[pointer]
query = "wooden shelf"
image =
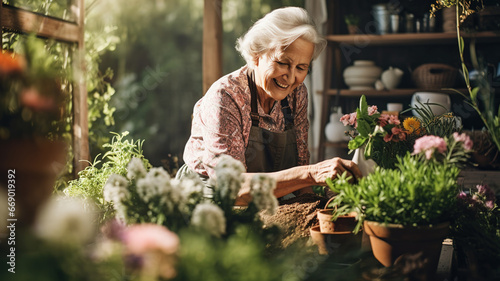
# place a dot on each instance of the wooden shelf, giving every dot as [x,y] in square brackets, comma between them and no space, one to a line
[341,144]
[386,93]
[410,38]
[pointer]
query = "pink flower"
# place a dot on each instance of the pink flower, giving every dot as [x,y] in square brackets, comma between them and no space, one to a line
[152,249]
[429,144]
[372,110]
[32,99]
[394,120]
[143,238]
[465,139]
[396,135]
[383,120]
[488,194]
[345,119]
[350,119]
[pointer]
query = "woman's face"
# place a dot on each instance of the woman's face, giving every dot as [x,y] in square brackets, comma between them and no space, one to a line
[279,72]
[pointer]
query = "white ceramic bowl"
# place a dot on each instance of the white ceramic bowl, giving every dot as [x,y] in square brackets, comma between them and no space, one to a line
[430,97]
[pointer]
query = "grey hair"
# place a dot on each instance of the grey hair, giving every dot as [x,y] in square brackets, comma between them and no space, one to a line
[279,29]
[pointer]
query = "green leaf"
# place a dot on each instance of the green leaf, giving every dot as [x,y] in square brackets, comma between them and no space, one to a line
[473,93]
[357,142]
[363,127]
[461,44]
[363,107]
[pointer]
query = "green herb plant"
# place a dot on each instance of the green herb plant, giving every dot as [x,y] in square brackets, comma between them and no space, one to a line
[91,180]
[421,190]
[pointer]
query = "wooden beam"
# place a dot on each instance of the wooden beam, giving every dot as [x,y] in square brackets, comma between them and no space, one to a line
[80,107]
[29,22]
[212,42]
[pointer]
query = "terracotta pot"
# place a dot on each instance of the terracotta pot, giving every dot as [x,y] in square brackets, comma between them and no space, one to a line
[393,241]
[342,223]
[34,165]
[339,242]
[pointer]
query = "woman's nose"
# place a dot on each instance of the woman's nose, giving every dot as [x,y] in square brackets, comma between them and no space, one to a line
[290,76]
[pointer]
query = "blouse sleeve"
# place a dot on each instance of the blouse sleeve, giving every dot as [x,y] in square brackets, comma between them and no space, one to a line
[221,127]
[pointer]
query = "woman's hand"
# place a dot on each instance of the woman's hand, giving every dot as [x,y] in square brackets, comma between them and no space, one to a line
[332,168]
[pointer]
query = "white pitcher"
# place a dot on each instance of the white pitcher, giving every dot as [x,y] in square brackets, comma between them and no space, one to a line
[391,77]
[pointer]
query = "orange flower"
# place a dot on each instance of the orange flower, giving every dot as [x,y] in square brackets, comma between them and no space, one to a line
[412,125]
[10,63]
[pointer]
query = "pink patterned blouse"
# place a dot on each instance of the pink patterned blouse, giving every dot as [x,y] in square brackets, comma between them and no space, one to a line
[221,123]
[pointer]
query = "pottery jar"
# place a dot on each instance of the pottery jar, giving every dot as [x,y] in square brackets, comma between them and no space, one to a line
[335,130]
[391,78]
[362,75]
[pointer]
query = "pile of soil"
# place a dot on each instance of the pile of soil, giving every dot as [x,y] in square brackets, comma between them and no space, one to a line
[296,216]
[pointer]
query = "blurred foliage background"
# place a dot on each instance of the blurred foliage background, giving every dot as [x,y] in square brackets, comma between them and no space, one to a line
[144,64]
[157,64]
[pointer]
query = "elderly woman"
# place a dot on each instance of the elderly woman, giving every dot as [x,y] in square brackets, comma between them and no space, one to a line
[258,113]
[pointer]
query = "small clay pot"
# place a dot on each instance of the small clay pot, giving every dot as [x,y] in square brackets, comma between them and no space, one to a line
[342,223]
[339,242]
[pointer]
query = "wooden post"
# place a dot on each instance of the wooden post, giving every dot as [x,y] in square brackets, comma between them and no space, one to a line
[80,107]
[212,42]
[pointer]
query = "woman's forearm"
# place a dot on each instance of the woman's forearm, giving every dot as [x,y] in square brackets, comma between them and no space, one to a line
[296,178]
[287,181]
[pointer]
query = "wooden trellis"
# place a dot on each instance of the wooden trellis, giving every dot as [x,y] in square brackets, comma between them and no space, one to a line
[24,21]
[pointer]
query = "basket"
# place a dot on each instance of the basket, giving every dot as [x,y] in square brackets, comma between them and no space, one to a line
[434,76]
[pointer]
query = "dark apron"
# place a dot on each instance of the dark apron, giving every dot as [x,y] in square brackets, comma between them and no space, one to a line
[270,151]
[266,151]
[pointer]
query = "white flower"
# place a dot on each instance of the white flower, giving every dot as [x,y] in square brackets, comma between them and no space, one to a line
[210,218]
[136,169]
[229,176]
[156,183]
[191,188]
[66,220]
[262,191]
[115,190]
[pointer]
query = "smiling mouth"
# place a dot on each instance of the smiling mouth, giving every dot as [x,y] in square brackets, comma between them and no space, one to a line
[283,86]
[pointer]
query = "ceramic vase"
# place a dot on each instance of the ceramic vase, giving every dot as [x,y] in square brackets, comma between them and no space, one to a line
[335,130]
[391,78]
[362,75]
[366,166]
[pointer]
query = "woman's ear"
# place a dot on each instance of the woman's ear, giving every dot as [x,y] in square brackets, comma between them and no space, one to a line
[256,60]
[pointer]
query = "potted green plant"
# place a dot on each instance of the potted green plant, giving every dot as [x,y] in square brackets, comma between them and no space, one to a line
[417,197]
[335,236]
[352,22]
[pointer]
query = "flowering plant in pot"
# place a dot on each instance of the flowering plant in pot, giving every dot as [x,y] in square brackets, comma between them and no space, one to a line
[31,94]
[476,232]
[32,124]
[383,137]
[420,193]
